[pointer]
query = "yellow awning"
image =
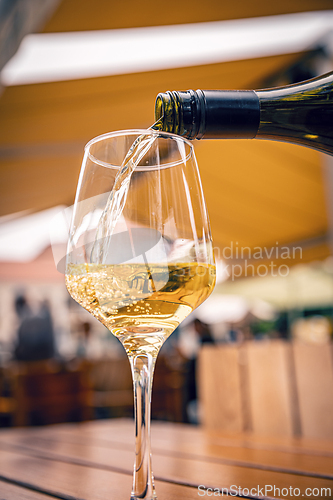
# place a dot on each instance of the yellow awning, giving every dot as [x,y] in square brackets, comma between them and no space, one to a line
[258,192]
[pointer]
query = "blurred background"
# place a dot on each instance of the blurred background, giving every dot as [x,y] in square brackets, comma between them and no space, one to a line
[257,356]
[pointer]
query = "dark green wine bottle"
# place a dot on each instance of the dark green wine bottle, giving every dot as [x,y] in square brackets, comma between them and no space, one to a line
[301,113]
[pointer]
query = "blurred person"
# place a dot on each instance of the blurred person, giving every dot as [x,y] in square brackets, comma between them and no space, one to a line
[83,341]
[35,335]
[204,332]
[234,335]
[22,307]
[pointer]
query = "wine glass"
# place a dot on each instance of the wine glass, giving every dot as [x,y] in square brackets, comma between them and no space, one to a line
[140,255]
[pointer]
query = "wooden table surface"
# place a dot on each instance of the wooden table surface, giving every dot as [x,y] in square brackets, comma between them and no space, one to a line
[94,461]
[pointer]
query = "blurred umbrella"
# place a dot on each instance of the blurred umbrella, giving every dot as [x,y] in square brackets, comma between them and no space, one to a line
[81,15]
[305,286]
[223,309]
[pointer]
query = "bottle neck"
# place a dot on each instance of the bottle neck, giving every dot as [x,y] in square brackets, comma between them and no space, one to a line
[301,113]
[209,113]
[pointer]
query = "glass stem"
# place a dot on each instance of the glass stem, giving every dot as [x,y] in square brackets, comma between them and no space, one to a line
[142,372]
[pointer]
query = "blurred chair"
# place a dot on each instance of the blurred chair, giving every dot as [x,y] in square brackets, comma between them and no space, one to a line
[111,383]
[168,392]
[7,402]
[272,388]
[219,387]
[314,380]
[48,392]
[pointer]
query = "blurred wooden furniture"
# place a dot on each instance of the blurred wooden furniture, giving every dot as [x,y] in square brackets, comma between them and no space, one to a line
[111,383]
[168,391]
[48,392]
[95,460]
[220,388]
[112,388]
[270,391]
[269,388]
[314,381]
[7,402]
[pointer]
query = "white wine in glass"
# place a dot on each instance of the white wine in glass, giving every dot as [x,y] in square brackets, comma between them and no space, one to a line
[140,254]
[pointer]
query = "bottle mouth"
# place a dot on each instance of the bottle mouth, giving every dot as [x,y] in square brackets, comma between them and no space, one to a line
[181,113]
[167,112]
